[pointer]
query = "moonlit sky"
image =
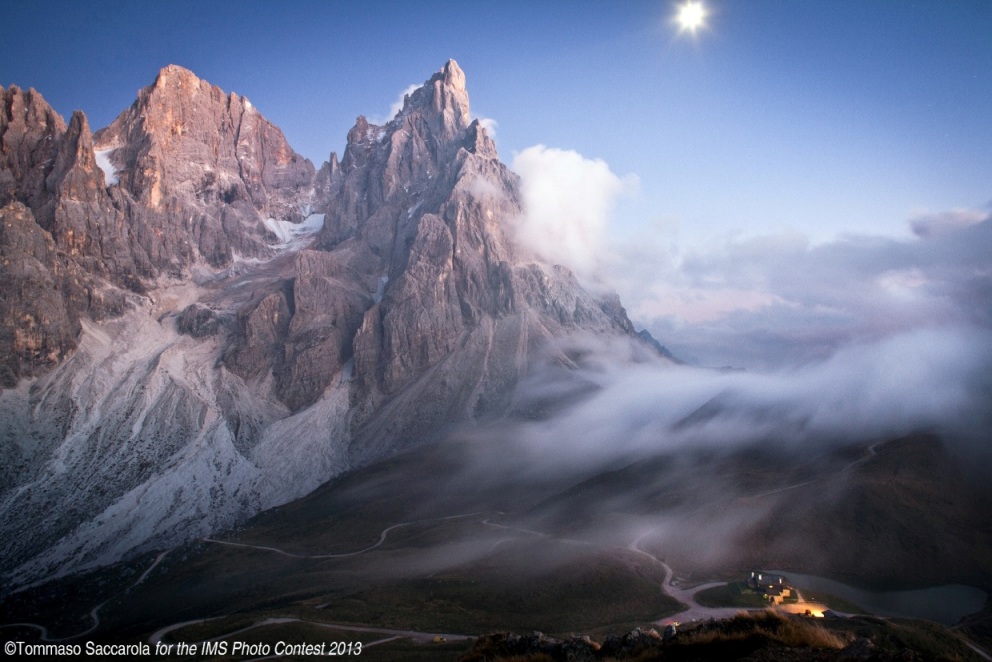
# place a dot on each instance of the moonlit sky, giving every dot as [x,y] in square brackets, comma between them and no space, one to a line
[783,146]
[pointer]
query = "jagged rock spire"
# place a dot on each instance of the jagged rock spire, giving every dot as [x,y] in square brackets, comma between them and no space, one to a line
[30,134]
[442,101]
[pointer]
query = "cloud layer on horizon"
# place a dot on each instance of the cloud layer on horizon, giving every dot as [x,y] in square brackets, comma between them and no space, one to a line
[762,301]
[776,300]
[859,337]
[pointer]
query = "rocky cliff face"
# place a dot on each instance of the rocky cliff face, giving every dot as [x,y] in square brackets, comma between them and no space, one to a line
[207,398]
[200,171]
[30,136]
[450,318]
[186,176]
[37,328]
[65,245]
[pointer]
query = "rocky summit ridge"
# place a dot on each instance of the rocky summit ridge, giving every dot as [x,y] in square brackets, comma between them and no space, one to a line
[196,325]
[186,176]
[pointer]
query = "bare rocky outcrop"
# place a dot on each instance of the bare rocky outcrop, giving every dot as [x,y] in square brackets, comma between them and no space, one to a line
[263,330]
[198,321]
[462,286]
[37,329]
[65,246]
[52,169]
[225,386]
[415,281]
[296,334]
[414,215]
[328,310]
[199,171]
[30,136]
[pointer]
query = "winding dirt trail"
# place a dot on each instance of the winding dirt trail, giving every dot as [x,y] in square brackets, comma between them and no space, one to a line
[392,634]
[94,612]
[415,635]
[158,635]
[382,539]
[687,596]
[862,460]
[978,650]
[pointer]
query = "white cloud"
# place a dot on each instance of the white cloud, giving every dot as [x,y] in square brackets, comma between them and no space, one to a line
[568,202]
[697,305]
[778,300]
[490,125]
[395,107]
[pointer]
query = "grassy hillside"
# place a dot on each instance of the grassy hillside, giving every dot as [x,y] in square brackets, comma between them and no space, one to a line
[435,541]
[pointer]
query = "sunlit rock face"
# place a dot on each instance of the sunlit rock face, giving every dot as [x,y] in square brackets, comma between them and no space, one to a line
[200,170]
[30,135]
[197,357]
[185,176]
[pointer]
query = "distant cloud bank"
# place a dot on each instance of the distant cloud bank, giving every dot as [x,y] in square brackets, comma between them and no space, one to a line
[776,300]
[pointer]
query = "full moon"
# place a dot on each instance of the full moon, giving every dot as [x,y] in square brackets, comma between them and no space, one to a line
[690,16]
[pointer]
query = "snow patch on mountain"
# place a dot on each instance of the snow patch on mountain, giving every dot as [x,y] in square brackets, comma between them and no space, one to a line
[294,235]
[110,173]
[380,289]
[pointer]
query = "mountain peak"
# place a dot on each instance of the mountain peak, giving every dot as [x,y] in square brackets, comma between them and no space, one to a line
[174,72]
[453,75]
[443,100]
[187,149]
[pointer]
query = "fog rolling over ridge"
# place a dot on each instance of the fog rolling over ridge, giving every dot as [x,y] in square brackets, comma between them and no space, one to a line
[855,338]
[836,349]
[720,469]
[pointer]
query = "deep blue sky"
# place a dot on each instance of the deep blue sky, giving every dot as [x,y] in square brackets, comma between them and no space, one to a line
[792,118]
[816,115]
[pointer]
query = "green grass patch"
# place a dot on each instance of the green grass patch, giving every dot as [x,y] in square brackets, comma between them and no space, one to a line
[584,593]
[731,594]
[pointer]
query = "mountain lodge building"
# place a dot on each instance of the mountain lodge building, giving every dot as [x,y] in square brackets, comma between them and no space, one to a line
[774,588]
